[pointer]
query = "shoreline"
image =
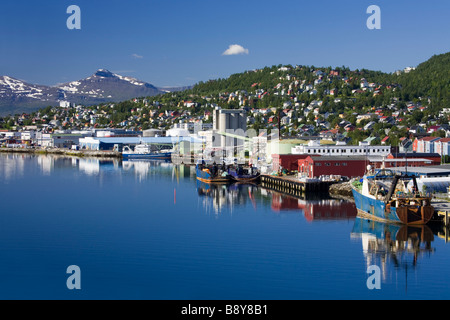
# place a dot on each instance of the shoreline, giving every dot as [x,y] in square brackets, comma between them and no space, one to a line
[342,191]
[64,152]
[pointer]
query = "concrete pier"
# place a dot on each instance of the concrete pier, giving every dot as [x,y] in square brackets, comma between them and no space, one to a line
[442,209]
[291,185]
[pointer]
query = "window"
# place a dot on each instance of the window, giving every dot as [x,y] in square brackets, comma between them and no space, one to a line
[337,164]
[327,164]
[344,164]
[318,164]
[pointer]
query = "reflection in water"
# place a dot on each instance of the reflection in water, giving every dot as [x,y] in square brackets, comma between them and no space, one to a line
[144,169]
[141,168]
[219,197]
[12,165]
[315,209]
[394,245]
[47,164]
[89,166]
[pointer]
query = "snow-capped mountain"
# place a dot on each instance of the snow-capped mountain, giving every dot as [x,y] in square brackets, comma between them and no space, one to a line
[103,86]
[18,95]
[106,86]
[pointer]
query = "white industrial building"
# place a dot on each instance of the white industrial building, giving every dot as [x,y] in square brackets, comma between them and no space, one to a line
[342,149]
[193,127]
[58,140]
[229,122]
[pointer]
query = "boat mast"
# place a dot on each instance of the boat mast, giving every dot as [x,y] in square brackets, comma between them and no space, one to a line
[406,162]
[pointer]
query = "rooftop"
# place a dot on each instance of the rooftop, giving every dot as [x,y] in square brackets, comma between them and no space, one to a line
[340,158]
[428,171]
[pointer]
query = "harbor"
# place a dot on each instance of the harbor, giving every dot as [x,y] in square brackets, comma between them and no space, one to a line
[294,175]
[269,227]
[159,151]
[380,195]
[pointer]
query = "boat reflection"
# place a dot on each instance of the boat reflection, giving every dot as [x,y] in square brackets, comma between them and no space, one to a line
[392,245]
[219,197]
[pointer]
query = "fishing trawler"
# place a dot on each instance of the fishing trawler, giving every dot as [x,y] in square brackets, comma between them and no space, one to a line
[211,173]
[383,196]
[241,174]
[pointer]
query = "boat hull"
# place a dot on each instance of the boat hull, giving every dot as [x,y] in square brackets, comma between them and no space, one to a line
[205,176]
[243,175]
[249,178]
[378,210]
[151,156]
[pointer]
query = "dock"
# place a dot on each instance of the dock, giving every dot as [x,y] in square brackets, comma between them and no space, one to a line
[442,211]
[442,208]
[291,185]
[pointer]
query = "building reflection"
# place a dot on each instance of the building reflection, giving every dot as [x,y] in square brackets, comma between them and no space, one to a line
[142,169]
[393,247]
[155,169]
[314,209]
[12,165]
[219,197]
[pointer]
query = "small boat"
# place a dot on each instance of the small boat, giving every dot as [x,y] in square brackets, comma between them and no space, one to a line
[241,174]
[145,151]
[211,174]
[384,197]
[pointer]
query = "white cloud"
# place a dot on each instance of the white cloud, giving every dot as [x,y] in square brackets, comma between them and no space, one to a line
[136,56]
[235,49]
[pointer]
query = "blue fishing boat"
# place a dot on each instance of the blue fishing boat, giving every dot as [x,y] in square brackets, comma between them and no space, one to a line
[384,197]
[241,174]
[211,174]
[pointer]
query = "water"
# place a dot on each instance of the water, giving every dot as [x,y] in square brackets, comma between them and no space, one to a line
[149,230]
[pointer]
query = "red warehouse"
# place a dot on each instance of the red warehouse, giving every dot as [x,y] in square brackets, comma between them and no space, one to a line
[316,166]
[435,158]
[287,161]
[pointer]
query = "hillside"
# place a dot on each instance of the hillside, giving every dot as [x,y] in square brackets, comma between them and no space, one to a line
[430,79]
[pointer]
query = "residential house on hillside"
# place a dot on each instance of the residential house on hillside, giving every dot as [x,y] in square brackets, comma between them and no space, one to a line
[425,145]
[417,129]
[435,128]
[406,145]
[442,146]
[369,126]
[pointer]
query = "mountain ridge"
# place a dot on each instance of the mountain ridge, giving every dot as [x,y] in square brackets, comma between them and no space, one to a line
[18,96]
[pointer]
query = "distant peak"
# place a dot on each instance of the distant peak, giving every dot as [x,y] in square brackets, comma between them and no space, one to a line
[104,73]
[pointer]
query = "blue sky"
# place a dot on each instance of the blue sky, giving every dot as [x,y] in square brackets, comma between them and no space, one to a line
[179,42]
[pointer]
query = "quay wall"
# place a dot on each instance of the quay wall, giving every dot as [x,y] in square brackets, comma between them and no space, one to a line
[65,152]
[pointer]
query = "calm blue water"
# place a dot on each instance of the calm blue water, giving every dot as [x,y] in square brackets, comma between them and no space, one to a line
[148,230]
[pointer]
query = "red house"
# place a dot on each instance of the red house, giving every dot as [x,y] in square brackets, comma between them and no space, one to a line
[315,166]
[287,161]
